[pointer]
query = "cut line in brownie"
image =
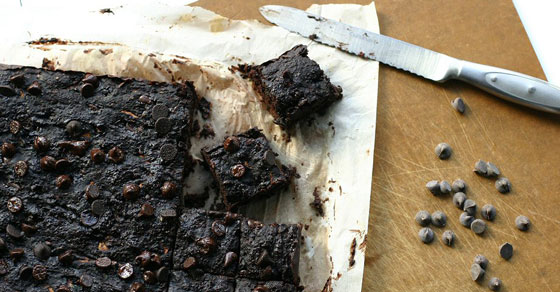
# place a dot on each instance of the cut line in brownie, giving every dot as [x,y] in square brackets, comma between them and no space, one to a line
[292,86]
[183,282]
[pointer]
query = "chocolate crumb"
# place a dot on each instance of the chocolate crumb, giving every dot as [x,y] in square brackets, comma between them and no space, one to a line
[317,203]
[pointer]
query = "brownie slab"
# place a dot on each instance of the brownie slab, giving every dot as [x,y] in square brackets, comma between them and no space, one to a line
[245,168]
[292,86]
[208,241]
[247,285]
[269,252]
[183,282]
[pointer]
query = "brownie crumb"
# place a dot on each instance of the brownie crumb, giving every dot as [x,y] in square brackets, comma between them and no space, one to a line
[106,10]
[317,204]
[205,108]
[351,260]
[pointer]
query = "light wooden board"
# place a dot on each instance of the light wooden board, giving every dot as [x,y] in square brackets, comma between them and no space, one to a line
[414,115]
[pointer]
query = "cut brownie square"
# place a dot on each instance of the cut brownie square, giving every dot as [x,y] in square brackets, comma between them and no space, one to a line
[208,241]
[292,86]
[270,252]
[185,282]
[245,168]
[247,285]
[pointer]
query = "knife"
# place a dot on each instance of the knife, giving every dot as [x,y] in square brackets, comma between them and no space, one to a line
[509,85]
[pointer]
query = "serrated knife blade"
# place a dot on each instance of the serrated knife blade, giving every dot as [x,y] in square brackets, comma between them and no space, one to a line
[509,85]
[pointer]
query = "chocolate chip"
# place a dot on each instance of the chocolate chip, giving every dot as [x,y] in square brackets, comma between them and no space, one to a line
[261,288]
[97,155]
[8,150]
[480,167]
[3,268]
[190,262]
[448,237]
[459,185]
[87,90]
[145,99]
[63,181]
[131,191]
[458,104]
[443,151]
[218,228]
[439,219]
[2,244]
[86,281]
[270,157]
[42,251]
[163,126]
[478,226]
[125,271]
[137,287]
[13,231]
[459,200]
[149,277]
[25,272]
[146,210]
[230,218]
[15,126]
[469,206]
[162,274]
[266,274]
[98,207]
[40,272]
[7,91]
[168,190]
[426,235]
[466,219]
[66,258]
[503,185]
[433,187]
[168,214]
[492,170]
[488,212]
[103,262]
[230,258]
[74,128]
[17,79]
[506,251]
[20,168]
[522,223]
[16,253]
[494,284]
[481,260]
[206,244]
[63,289]
[41,144]
[91,79]
[238,170]
[28,229]
[264,259]
[116,155]
[423,218]
[444,187]
[159,111]
[88,219]
[168,152]
[15,204]
[231,144]
[48,163]
[477,272]
[78,148]
[92,191]
[62,164]
[34,88]
[143,259]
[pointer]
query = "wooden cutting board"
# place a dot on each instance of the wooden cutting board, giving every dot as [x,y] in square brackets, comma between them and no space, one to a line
[414,115]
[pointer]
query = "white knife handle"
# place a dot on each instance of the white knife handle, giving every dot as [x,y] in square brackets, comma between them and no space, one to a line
[512,86]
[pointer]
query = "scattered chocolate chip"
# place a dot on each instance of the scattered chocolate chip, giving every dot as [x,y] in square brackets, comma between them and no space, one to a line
[98,207]
[494,284]
[20,168]
[74,128]
[159,111]
[86,281]
[506,251]
[15,126]
[131,191]
[168,214]
[103,262]
[16,253]
[34,88]
[40,272]
[145,99]
[264,259]
[42,251]
[125,271]
[162,274]
[149,277]
[168,152]
[189,263]
[423,218]
[433,187]
[75,147]
[439,219]
[238,170]
[7,91]
[48,163]
[88,219]
[477,272]
[97,155]
[163,126]
[218,228]
[443,151]
[63,181]
[469,207]
[3,268]
[66,258]
[459,185]
[62,164]
[206,244]
[426,235]
[41,144]
[458,104]
[459,200]
[230,258]
[480,167]
[116,155]
[8,150]
[63,289]
[466,219]
[91,79]
[231,144]
[448,237]
[478,226]
[92,191]
[87,90]
[13,231]
[488,212]
[25,272]
[143,259]
[492,170]
[522,223]
[15,204]
[17,79]
[481,260]
[503,185]
[28,229]
[137,287]
[146,210]
[168,190]
[444,187]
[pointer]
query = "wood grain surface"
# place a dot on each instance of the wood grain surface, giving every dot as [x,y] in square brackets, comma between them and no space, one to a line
[414,115]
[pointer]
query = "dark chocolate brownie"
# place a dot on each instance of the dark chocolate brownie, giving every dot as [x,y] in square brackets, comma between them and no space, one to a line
[92,165]
[292,86]
[245,168]
[183,282]
[208,241]
[269,252]
[246,285]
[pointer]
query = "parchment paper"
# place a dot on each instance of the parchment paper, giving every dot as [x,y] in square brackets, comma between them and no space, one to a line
[333,153]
